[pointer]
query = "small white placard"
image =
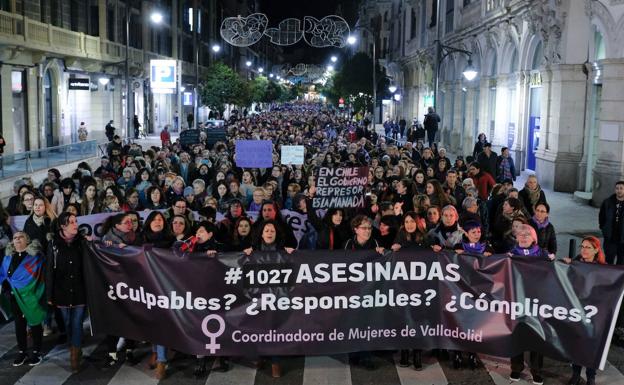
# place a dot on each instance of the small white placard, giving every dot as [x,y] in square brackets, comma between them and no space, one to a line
[292,155]
[609,131]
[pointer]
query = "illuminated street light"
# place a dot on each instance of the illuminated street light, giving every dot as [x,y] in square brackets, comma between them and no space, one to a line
[248,63]
[270,75]
[104,81]
[392,89]
[330,68]
[397,97]
[470,72]
[216,48]
[156,17]
[334,59]
[351,40]
[261,70]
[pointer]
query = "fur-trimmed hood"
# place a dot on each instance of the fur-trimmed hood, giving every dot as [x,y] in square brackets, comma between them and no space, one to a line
[33,248]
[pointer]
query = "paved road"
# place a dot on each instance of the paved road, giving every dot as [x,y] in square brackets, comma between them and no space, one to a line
[319,370]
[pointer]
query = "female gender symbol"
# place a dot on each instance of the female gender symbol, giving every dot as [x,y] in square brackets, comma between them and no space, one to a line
[213,346]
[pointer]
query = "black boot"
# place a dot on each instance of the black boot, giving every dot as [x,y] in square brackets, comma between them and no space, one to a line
[200,367]
[591,381]
[404,362]
[417,359]
[458,362]
[224,365]
[473,361]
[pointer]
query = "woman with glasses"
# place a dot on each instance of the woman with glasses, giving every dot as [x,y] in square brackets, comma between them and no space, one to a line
[590,252]
[527,245]
[547,239]
[22,275]
[26,203]
[65,286]
[117,230]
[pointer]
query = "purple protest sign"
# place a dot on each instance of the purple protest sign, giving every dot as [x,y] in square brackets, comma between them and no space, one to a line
[254,153]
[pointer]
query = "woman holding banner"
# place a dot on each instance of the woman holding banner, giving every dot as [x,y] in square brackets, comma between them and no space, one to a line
[527,245]
[270,238]
[591,252]
[411,235]
[65,286]
[22,269]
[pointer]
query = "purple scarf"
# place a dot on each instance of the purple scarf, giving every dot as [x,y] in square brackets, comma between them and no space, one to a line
[476,248]
[534,251]
[541,225]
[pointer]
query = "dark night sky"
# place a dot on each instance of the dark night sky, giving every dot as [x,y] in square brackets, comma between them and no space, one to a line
[277,10]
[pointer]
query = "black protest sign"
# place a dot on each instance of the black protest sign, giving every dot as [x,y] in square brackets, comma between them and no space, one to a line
[340,187]
[329,302]
[189,137]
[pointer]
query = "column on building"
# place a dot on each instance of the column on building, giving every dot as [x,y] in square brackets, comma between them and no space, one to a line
[7,114]
[610,163]
[563,100]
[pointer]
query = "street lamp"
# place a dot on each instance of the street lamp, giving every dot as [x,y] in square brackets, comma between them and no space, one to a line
[270,75]
[334,59]
[260,70]
[470,72]
[156,18]
[248,63]
[442,51]
[392,89]
[330,68]
[104,81]
[352,40]
[216,48]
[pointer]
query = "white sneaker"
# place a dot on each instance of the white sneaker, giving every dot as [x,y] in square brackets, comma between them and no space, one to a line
[47,330]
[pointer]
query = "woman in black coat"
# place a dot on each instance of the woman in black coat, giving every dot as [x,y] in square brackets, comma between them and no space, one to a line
[546,237]
[333,230]
[39,224]
[155,231]
[65,284]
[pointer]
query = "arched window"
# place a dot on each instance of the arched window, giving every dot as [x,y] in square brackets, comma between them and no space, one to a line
[538,57]
[599,46]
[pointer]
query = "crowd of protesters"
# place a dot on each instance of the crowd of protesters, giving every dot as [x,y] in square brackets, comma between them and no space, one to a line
[416,198]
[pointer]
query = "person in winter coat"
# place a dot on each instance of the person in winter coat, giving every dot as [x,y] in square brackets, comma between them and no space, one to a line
[22,274]
[527,246]
[611,221]
[155,231]
[65,285]
[547,239]
[269,211]
[38,224]
[118,231]
[333,229]
[478,147]
[591,252]
[482,180]
[531,194]
[488,160]
[448,233]
[64,195]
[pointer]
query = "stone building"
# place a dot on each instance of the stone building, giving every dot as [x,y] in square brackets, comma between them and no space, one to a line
[49,47]
[550,82]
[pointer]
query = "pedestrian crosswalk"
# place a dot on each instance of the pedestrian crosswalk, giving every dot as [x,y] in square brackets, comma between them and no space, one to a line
[312,370]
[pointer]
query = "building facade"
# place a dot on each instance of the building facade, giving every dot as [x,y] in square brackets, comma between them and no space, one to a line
[63,62]
[550,83]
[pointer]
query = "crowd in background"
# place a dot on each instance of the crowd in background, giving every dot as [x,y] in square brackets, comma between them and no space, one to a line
[416,197]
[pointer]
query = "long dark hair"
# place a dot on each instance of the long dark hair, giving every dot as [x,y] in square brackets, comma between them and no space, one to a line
[279,237]
[112,221]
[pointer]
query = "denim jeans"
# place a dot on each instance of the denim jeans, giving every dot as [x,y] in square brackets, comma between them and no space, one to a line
[73,317]
[161,353]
